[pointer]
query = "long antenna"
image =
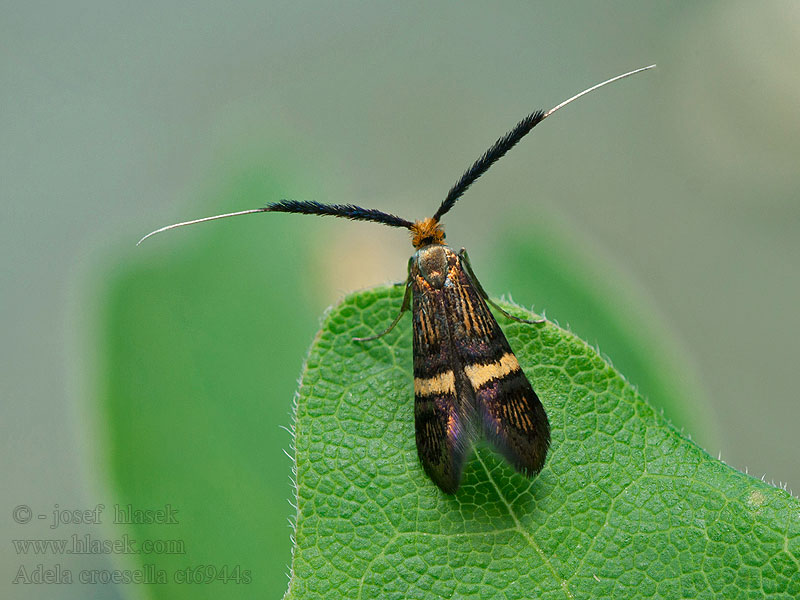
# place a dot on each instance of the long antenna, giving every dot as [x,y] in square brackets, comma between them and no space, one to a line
[357,213]
[203,220]
[347,211]
[594,87]
[508,141]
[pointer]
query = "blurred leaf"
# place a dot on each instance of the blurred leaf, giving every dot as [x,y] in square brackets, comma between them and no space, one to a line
[625,506]
[205,337]
[544,264]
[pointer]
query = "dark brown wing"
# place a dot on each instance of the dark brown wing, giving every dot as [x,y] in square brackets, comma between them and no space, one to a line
[445,425]
[510,413]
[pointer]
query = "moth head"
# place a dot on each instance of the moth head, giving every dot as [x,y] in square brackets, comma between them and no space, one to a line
[425,232]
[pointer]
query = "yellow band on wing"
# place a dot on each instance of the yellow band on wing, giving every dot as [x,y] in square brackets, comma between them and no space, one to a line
[480,374]
[443,383]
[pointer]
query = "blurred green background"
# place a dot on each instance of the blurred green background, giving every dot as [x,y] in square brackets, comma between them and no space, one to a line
[657,218]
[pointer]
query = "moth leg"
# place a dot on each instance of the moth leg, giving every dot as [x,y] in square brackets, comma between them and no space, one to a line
[406,305]
[468,268]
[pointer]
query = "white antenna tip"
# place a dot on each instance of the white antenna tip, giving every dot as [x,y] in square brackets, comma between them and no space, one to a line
[594,87]
[203,220]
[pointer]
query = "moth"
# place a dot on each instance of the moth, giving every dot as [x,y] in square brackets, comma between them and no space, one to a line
[468,383]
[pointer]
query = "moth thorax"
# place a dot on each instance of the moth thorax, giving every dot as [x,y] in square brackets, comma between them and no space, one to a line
[431,262]
[425,232]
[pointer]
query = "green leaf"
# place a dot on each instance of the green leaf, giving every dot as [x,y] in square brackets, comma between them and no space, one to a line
[204,333]
[625,507]
[550,265]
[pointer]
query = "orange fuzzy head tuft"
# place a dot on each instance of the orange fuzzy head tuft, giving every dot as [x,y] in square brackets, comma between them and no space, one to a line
[425,232]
